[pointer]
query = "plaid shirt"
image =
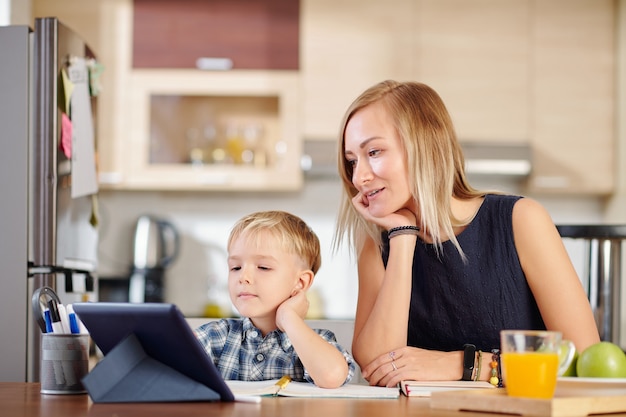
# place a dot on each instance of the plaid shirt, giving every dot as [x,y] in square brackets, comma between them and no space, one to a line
[240,352]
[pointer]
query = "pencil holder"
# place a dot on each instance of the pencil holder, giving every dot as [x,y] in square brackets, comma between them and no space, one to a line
[64,362]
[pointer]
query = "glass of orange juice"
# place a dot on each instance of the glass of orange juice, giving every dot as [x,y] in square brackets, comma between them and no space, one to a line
[530,361]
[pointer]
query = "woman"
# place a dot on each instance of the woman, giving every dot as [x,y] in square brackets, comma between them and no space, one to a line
[460,265]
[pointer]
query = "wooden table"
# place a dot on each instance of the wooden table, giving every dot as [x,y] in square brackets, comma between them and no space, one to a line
[24,400]
[20,399]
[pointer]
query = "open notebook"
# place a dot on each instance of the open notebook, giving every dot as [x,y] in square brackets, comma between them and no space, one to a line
[306,389]
[425,388]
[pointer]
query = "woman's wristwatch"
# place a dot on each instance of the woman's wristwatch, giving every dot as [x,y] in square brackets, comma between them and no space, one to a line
[469,359]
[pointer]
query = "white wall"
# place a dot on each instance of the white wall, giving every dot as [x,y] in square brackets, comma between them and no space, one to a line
[5,12]
[15,12]
[204,221]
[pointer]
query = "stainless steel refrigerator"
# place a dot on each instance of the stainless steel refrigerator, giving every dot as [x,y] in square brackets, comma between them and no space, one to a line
[48,189]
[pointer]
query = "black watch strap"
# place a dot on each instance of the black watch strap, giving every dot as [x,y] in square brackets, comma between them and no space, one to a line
[469,357]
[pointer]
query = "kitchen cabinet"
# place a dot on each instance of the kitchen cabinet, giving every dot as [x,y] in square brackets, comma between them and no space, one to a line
[539,73]
[473,53]
[347,46]
[187,129]
[252,34]
[573,104]
[148,143]
[229,131]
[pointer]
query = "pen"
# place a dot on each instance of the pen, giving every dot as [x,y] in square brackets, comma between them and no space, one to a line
[282,383]
[56,320]
[65,324]
[74,329]
[73,320]
[48,320]
[76,325]
[57,365]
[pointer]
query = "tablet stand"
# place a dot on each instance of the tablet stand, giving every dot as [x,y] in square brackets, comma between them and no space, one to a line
[128,374]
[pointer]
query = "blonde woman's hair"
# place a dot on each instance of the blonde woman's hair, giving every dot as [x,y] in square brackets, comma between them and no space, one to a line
[293,234]
[436,166]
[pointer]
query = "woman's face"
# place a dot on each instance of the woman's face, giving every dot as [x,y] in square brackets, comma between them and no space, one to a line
[376,154]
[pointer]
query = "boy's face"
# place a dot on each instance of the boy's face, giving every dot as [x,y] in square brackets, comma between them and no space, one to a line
[261,275]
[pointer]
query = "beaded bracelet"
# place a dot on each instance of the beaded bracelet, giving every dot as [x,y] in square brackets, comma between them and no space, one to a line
[496,376]
[403,230]
[477,376]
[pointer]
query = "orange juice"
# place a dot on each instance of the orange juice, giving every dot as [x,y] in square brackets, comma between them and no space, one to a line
[530,374]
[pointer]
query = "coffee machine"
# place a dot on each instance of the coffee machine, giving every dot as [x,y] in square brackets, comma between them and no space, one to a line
[156,244]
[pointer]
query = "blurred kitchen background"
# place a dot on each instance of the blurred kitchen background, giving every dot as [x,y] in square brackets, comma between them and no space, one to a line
[536,88]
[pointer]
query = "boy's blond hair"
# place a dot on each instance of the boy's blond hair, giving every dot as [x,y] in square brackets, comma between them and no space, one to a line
[293,234]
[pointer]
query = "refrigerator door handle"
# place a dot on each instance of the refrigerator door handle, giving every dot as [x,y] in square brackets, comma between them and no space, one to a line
[69,272]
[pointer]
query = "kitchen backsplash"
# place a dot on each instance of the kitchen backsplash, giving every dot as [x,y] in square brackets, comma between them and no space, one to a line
[198,276]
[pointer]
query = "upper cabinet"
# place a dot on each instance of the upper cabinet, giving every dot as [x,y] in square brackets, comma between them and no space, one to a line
[229,131]
[250,34]
[573,92]
[346,46]
[182,128]
[476,55]
[539,73]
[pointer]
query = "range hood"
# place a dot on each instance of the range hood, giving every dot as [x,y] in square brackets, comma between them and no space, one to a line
[510,160]
[482,159]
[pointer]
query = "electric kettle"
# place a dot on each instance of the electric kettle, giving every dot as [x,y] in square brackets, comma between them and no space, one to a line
[155,246]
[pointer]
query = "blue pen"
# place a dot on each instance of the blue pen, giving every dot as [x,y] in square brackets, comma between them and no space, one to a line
[74,329]
[57,327]
[48,319]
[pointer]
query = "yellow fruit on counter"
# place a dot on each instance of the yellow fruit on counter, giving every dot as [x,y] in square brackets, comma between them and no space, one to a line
[602,360]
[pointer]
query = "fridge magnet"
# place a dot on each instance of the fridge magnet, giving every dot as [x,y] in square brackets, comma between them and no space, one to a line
[95,70]
[65,91]
[66,136]
[94,218]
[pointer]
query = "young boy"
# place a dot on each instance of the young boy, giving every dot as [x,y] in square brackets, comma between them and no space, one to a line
[272,259]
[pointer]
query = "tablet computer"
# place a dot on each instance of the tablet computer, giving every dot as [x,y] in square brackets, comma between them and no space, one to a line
[162,331]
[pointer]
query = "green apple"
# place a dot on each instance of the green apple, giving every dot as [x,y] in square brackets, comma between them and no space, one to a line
[602,360]
[567,358]
[571,369]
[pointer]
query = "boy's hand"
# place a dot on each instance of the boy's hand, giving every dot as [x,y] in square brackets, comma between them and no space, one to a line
[296,305]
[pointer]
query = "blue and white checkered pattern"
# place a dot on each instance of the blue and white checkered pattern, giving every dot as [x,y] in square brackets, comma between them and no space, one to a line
[240,352]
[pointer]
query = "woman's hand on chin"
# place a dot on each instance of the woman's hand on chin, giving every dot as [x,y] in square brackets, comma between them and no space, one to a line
[402,217]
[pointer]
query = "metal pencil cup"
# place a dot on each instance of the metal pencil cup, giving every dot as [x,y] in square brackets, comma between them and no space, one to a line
[64,362]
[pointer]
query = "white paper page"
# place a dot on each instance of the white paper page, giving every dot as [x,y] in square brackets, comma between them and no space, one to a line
[84,180]
[306,389]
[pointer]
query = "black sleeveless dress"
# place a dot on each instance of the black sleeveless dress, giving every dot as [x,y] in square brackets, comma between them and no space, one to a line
[453,303]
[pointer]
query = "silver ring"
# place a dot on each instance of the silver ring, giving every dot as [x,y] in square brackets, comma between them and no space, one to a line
[392,354]
[393,365]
